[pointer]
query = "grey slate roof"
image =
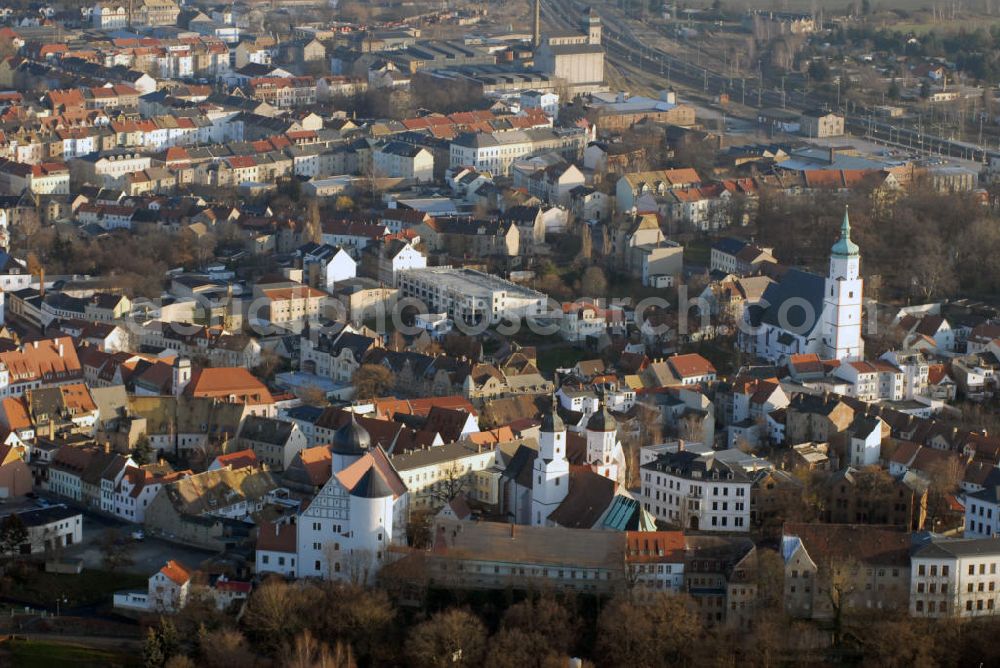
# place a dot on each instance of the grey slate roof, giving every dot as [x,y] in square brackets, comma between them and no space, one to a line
[729,245]
[266,430]
[371,486]
[796,285]
[971,547]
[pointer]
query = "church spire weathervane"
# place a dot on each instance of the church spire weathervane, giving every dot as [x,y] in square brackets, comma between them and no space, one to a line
[844,245]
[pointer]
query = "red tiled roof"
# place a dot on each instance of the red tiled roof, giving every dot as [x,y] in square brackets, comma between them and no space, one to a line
[498,435]
[868,544]
[176,572]
[690,365]
[47,359]
[385,408]
[936,373]
[376,462]
[226,382]
[16,412]
[273,537]
[241,161]
[233,585]
[806,363]
[654,546]
[863,367]
[294,292]
[316,462]
[237,460]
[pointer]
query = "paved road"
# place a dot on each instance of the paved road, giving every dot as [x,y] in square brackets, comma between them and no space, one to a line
[148,555]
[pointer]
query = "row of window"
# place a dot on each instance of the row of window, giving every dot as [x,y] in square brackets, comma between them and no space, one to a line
[281,560]
[973,509]
[922,569]
[521,570]
[663,569]
[721,521]
[942,606]
[318,526]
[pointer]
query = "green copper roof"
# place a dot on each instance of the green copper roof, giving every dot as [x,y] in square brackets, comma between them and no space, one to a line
[844,245]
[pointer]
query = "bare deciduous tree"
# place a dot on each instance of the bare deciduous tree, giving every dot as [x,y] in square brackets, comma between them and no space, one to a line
[450,638]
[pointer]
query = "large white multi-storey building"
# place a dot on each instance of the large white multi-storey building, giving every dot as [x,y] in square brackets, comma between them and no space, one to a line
[495,152]
[470,296]
[696,492]
[955,578]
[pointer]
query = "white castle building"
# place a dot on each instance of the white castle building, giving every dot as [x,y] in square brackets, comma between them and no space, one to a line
[362,510]
[809,313]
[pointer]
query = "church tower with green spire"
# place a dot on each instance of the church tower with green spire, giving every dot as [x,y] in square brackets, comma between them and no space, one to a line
[842,303]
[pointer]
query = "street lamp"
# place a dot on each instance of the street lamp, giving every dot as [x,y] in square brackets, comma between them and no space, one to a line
[60,599]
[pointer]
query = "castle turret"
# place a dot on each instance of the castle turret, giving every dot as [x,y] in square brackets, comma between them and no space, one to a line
[350,442]
[602,434]
[550,483]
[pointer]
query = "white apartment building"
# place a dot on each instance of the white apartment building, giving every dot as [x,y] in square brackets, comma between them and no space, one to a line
[891,381]
[982,514]
[862,379]
[914,369]
[431,474]
[547,101]
[581,401]
[696,492]
[109,16]
[470,296]
[398,256]
[51,528]
[865,447]
[955,578]
[108,170]
[582,319]
[655,561]
[496,151]
[275,549]
[136,490]
[400,160]
[48,178]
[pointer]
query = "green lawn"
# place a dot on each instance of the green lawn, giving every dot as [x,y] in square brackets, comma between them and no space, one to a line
[719,353]
[698,251]
[88,588]
[43,654]
[621,286]
[561,357]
